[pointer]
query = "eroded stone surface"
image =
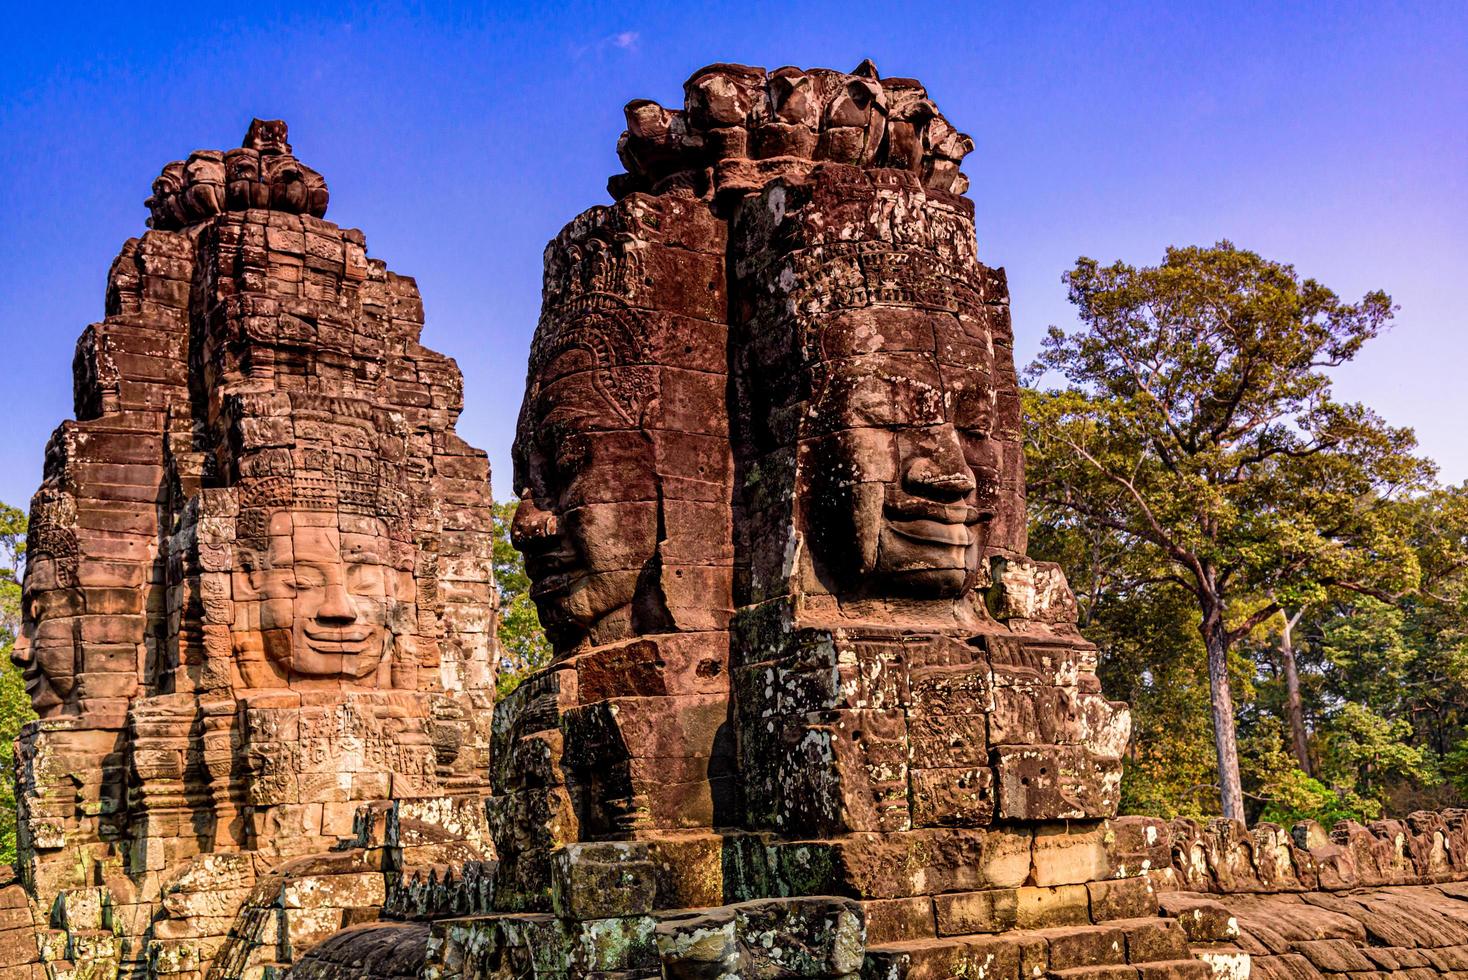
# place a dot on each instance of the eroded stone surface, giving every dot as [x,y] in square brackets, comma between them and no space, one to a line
[1404,931]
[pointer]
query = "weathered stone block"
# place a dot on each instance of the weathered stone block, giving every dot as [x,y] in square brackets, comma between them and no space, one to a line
[1124,898]
[603,880]
[1055,783]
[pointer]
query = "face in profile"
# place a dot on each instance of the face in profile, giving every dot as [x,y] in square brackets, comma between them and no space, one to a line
[587,518]
[903,475]
[45,648]
[319,599]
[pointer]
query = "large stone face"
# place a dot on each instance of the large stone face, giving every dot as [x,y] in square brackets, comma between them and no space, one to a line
[260,593]
[621,452]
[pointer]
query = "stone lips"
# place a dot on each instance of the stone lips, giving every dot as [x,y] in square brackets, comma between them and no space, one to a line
[262,594]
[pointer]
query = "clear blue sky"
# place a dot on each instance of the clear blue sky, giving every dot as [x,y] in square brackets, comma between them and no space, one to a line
[1333,135]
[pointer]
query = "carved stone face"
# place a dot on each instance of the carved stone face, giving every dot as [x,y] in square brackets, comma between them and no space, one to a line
[242,180]
[205,176]
[903,476]
[268,136]
[286,177]
[587,519]
[45,648]
[319,600]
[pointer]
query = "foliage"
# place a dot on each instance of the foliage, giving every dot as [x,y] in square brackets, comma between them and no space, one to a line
[15,705]
[1286,794]
[1300,797]
[1171,770]
[523,644]
[1362,749]
[1198,433]
[1455,768]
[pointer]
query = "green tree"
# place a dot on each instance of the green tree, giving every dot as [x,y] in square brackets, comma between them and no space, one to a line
[523,644]
[1363,750]
[1197,424]
[1286,793]
[1153,659]
[1150,657]
[15,705]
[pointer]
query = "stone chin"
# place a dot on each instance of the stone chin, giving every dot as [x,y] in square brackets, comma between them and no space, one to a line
[48,693]
[575,605]
[45,698]
[355,654]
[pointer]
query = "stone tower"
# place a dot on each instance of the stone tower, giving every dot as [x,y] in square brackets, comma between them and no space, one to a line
[259,593]
[772,504]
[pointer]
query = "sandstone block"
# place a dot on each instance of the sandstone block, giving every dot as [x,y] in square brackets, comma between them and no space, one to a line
[1124,898]
[602,881]
[1070,853]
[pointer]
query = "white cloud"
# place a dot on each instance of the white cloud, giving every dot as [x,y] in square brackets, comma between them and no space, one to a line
[622,41]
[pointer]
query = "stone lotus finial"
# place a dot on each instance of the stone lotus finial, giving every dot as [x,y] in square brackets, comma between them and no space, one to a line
[740,127]
[262,173]
[269,136]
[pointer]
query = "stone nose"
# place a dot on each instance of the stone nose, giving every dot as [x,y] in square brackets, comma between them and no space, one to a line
[338,606]
[20,653]
[532,526]
[938,470]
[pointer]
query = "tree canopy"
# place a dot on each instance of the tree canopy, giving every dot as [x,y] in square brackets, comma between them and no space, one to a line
[1196,428]
[15,706]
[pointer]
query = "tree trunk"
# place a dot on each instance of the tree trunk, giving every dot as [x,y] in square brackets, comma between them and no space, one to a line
[1225,738]
[1294,709]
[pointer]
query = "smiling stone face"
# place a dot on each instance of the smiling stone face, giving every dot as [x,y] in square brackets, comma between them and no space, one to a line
[903,473]
[45,647]
[259,587]
[587,519]
[318,601]
[880,410]
[622,462]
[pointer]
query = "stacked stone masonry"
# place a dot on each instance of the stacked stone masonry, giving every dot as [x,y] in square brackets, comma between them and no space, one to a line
[812,712]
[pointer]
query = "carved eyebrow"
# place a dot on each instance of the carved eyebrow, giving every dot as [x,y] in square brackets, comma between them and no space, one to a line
[561,416]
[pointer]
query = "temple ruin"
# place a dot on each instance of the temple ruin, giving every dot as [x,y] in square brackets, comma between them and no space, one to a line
[813,712]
